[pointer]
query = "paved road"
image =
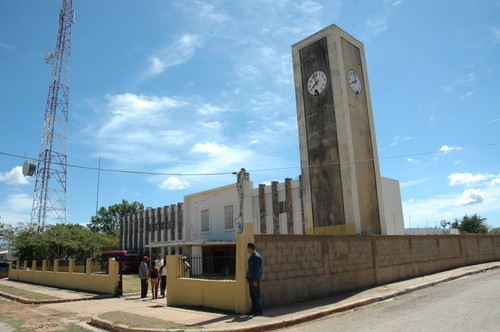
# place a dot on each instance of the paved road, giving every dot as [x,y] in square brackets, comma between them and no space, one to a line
[467,304]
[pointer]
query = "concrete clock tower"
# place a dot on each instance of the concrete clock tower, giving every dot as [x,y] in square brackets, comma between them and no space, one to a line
[341,184]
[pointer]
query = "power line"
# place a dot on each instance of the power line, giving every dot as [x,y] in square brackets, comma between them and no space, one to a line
[257,170]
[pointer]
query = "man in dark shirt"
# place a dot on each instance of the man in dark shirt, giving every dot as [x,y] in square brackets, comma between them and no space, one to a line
[254,274]
[143,274]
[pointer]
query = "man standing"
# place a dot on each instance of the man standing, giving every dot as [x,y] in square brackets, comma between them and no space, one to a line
[254,274]
[143,274]
[186,268]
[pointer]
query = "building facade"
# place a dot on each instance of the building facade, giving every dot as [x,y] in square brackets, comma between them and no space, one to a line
[206,223]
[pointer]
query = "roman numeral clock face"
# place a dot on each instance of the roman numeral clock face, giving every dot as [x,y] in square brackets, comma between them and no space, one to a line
[317,83]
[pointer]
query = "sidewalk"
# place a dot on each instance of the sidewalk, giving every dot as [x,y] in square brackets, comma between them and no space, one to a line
[57,295]
[156,310]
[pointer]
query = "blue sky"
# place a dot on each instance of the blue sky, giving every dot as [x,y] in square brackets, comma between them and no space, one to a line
[207,87]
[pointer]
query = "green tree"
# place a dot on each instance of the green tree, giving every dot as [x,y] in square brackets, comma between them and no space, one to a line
[108,220]
[29,244]
[61,241]
[471,225]
[6,236]
[495,230]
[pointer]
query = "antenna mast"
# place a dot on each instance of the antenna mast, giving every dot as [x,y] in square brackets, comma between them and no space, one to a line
[50,186]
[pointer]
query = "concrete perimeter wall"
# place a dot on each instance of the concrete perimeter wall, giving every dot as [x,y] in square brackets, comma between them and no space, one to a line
[70,279]
[303,267]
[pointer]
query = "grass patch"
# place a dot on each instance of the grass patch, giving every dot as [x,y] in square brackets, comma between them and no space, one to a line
[74,328]
[26,294]
[134,320]
[131,283]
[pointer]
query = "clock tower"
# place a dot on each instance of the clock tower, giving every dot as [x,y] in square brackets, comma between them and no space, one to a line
[341,185]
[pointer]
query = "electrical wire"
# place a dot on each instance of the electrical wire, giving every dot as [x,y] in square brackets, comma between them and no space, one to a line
[255,170]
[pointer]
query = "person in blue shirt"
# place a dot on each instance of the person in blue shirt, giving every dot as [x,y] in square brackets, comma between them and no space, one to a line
[254,274]
[144,275]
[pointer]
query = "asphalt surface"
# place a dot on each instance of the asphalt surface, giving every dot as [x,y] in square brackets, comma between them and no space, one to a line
[467,304]
[273,318]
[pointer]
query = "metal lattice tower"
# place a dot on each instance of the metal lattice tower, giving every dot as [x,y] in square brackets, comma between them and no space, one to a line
[49,201]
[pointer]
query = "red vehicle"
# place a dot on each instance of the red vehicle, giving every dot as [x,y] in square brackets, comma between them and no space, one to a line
[130,259]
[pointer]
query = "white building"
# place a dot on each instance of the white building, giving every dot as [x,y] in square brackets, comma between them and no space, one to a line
[205,224]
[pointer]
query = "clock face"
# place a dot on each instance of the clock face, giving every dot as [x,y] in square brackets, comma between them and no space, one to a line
[316,83]
[354,81]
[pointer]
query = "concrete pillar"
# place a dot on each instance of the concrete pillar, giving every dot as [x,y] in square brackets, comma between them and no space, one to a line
[158,224]
[180,221]
[56,265]
[275,207]
[44,265]
[171,222]
[262,208]
[88,266]
[289,206]
[71,266]
[303,219]
[164,218]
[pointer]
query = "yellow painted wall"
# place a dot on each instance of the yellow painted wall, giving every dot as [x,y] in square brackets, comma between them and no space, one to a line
[100,283]
[221,294]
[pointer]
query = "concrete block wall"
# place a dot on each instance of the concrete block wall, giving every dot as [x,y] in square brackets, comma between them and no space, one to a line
[304,267]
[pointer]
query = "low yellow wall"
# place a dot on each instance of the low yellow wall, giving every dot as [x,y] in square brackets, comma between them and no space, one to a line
[197,292]
[99,283]
[221,294]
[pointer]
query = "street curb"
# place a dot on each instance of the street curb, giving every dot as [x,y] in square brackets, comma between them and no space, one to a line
[28,301]
[110,326]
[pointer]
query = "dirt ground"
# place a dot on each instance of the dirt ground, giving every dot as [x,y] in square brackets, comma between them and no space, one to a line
[15,316]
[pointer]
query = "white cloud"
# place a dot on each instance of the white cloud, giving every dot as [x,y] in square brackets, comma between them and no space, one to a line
[471,196]
[214,125]
[446,148]
[495,35]
[412,183]
[174,183]
[209,109]
[176,53]
[14,176]
[310,7]
[448,89]
[210,148]
[378,25]
[137,128]
[204,12]
[16,208]
[468,93]
[467,179]
[394,2]
[7,46]
[495,120]
[398,139]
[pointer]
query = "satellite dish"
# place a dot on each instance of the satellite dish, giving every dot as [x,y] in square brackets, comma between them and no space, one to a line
[444,223]
[29,168]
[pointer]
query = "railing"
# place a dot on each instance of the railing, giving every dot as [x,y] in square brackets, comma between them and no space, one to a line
[80,266]
[39,265]
[211,268]
[100,265]
[50,266]
[63,265]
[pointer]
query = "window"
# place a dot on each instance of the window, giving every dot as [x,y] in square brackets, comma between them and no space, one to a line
[228,217]
[205,220]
